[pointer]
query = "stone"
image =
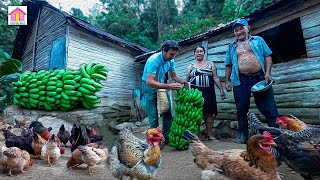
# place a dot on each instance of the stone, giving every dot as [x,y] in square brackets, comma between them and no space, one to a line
[234,124]
[121,126]
[216,123]
[55,123]
[145,121]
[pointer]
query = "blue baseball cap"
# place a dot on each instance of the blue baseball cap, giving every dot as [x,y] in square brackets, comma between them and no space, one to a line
[241,21]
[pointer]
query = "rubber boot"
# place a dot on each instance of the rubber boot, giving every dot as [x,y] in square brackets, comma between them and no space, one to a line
[243,130]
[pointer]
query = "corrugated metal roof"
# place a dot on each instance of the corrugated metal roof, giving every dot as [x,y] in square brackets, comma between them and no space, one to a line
[33,10]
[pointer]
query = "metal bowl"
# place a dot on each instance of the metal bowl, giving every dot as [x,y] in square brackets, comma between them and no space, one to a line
[262,86]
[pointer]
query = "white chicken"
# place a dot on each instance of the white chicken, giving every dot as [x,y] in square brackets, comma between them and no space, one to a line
[50,151]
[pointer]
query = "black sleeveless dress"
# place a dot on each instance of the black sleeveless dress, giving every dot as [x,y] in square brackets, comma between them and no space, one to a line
[202,79]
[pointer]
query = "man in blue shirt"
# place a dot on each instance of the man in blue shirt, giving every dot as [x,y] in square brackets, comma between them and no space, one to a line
[248,61]
[153,77]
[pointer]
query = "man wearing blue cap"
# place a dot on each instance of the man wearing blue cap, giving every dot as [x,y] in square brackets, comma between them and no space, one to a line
[248,61]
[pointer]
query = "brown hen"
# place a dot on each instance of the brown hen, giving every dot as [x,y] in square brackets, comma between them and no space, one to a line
[291,123]
[257,162]
[16,158]
[37,144]
[76,156]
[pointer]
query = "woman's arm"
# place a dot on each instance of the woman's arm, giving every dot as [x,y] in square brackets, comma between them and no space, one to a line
[188,73]
[217,80]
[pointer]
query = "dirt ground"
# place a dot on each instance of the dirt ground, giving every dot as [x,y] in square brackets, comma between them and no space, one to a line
[175,165]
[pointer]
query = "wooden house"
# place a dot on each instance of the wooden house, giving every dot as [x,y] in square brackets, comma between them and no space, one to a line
[54,39]
[291,28]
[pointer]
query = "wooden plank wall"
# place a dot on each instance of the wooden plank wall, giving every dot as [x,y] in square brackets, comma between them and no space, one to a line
[27,56]
[124,75]
[50,27]
[48,31]
[297,87]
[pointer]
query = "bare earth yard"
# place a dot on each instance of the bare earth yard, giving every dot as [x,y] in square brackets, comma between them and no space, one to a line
[175,165]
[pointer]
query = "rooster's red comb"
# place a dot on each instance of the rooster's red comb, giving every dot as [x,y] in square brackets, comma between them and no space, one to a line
[266,134]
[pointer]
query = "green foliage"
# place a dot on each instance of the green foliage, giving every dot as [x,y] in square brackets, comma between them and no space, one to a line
[8,65]
[8,68]
[189,28]
[79,14]
[8,33]
[228,12]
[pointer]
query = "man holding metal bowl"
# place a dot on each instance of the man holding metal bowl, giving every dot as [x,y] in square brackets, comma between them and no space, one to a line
[248,69]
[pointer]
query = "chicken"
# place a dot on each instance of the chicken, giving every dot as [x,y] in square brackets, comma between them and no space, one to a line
[50,151]
[25,131]
[40,129]
[20,121]
[16,158]
[76,156]
[78,137]
[92,156]
[303,156]
[292,123]
[93,135]
[134,157]
[299,150]
[257,162]
[63,135]
[3,158]
[37,144]
[4,125]
[22,142]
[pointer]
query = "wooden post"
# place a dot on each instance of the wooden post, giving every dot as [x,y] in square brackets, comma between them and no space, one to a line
[205,45]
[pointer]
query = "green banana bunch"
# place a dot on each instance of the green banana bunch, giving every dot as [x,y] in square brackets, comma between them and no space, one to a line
[188,116]
[60,89]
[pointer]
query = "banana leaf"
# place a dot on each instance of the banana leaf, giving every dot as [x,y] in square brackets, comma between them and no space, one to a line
[9,66]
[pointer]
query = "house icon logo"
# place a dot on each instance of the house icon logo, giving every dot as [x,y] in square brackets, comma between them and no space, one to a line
[17,15]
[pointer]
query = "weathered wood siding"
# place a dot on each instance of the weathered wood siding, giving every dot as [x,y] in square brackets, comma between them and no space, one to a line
[297,87]
[124,75]
[27,57]
[50,26]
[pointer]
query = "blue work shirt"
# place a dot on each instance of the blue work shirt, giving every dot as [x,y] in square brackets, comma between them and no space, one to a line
[155,63]
[259,48]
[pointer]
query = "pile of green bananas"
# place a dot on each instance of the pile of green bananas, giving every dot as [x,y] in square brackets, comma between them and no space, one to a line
[187,117]
[60,89]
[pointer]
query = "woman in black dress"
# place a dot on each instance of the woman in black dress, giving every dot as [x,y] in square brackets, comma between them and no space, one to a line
[203,75]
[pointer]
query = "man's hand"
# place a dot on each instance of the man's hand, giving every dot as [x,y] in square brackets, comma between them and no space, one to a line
[223,95]
[267,77]
[174,86]
[228,86]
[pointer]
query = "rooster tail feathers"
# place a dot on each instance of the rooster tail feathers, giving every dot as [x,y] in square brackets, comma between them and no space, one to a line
[189,136]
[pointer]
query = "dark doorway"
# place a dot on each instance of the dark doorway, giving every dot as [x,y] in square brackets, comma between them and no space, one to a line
[286,41]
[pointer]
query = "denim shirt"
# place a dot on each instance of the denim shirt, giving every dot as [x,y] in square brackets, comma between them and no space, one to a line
[260,50]
[155,63]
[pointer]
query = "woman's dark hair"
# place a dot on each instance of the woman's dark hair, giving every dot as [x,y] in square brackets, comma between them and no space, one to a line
[170,44]
[204,50]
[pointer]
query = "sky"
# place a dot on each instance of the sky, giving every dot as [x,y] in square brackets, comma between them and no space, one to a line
[84,5]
